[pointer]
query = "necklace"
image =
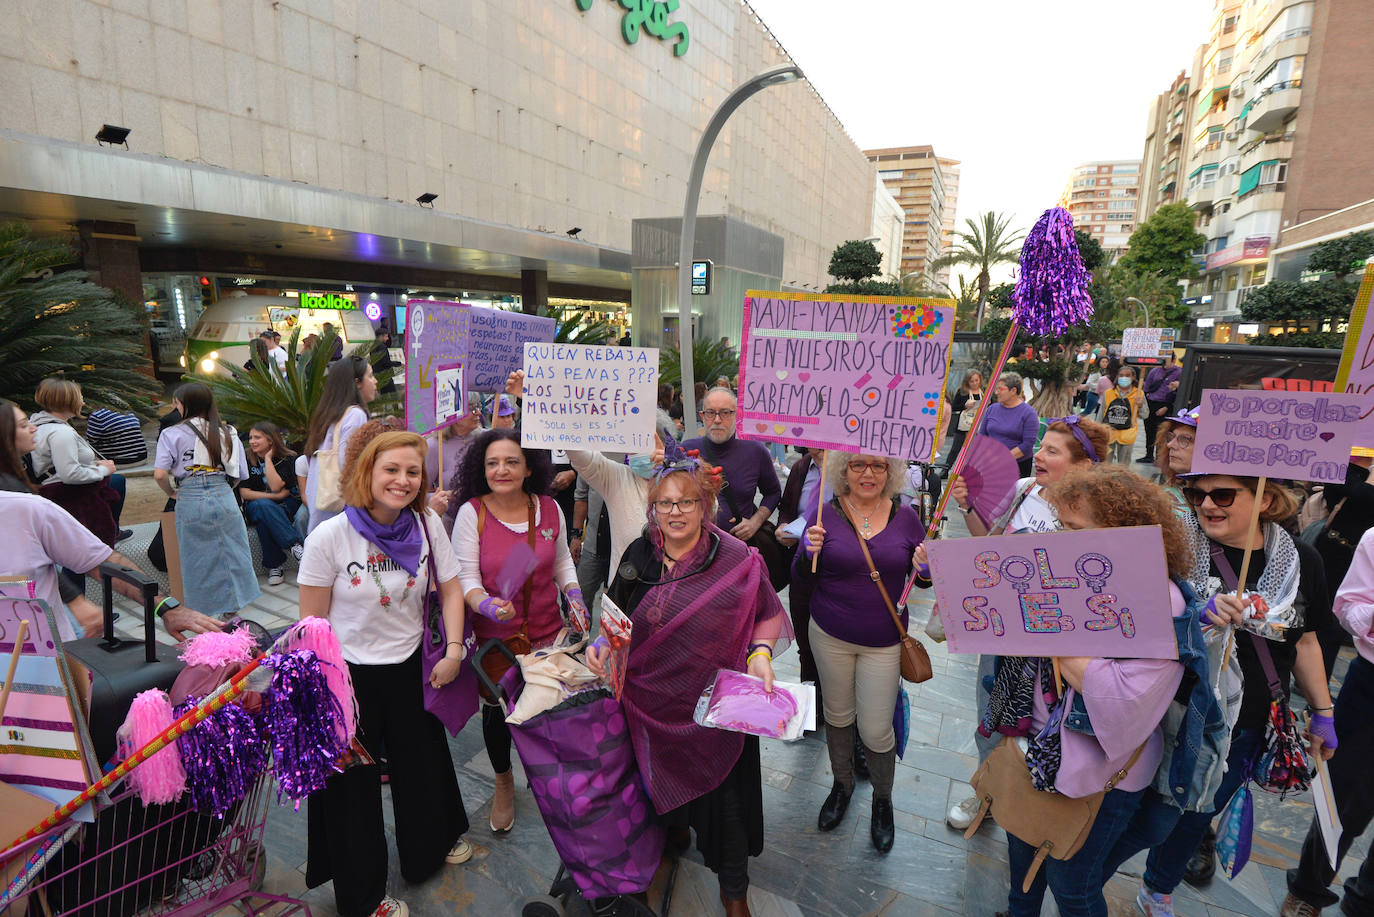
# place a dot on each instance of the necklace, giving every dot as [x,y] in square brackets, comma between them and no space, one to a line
[867,528]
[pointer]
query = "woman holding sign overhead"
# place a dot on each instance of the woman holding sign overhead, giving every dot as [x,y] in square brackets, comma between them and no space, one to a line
[513,562]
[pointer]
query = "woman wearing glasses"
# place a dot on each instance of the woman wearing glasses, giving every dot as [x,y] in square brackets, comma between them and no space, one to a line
[1286,601]
[700,601]
[504,507]
[1174,452]
[853,639]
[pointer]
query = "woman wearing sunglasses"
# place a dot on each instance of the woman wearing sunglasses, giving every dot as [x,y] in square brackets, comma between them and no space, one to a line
[862,532]
[1285,585]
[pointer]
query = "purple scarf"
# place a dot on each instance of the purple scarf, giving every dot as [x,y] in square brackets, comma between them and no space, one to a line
[401,541]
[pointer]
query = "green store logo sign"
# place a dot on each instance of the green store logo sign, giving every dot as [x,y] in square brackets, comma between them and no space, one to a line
[650,16]
[326,301]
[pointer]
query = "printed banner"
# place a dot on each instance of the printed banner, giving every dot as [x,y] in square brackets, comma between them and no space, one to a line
[496,345]
[436,341]
[1356,373]
[1147,342]
[857,373]
[449,403]
[1296,436]
[1102,592]
[579,396]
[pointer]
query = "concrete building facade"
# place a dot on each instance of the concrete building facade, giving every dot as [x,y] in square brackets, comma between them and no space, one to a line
[948,225]
[916,179]
[888,227]
[1167,155]
[1102,196]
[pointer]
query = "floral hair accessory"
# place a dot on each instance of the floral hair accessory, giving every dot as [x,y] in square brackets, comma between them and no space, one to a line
[1187,417]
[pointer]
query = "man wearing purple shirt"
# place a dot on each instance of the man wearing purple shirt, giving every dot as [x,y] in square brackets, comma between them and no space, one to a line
[747,467]
[1160,385]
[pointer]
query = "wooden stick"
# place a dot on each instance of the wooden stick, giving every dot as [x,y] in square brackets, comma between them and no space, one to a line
[14,664]
[439,484]
[820,505]
[1058,676]
[1245,563]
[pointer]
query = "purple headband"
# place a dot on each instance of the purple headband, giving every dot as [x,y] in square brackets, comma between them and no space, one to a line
[1072,422]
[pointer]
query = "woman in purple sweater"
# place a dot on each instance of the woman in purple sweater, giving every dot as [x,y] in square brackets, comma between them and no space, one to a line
[1011,421]
[855,644]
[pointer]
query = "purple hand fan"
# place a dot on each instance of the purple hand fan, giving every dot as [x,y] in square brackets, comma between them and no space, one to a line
[515,569]
[991,473]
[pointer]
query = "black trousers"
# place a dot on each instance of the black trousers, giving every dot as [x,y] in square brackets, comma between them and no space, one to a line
[347,838]
[1353,791]
[1152,422]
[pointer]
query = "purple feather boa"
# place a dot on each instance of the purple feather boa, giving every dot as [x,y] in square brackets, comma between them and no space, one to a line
[1052,292]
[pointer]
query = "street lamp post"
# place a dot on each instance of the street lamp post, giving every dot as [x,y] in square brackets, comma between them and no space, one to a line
[1142,306]
[786,73]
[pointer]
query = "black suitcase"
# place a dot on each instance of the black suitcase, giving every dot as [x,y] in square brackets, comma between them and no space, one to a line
[111,672]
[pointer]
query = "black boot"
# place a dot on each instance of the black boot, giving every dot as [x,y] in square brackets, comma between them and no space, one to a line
[880,825]
[1203,864]
[860,757]
[839,742]
[884,768]
[834,807]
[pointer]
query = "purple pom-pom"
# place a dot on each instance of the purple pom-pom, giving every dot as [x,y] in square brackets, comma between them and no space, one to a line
[1053,290]
[223,754]
[303,722]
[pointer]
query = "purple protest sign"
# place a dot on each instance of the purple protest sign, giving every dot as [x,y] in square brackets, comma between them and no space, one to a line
[436,340]
[1100,592]
[1298,436]
[496,345]
[857,373]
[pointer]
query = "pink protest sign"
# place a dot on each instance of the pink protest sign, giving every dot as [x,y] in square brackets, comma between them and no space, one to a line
[1297,436]
[1101,593]
[857,373]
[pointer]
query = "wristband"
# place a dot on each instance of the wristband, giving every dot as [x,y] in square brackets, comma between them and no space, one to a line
[601,644]
[487,608]
[1324,728]
[923,571]
[760,646]
[764,653]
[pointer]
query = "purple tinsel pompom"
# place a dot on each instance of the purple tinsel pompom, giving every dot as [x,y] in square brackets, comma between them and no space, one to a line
[1053,290]
[223,754]
[303,723]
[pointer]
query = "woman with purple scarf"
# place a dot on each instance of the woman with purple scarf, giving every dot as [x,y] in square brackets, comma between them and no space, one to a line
[700,601]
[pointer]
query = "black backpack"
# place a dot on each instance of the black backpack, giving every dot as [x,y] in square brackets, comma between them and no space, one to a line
[1118,415]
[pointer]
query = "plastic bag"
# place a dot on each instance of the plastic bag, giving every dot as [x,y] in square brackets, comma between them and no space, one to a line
[738,702]
[1235,830]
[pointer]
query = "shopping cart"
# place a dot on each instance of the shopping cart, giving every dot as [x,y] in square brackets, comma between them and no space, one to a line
[155,860]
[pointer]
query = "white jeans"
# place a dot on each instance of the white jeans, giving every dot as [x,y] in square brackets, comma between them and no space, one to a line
[858,683]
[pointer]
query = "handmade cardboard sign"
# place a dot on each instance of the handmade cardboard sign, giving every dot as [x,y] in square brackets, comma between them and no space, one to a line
[1147,342]
[858,373]
[1356,373]
[497,345]
[1100,593]
[448,395]
[436,341]
[1297,436]
[579,396]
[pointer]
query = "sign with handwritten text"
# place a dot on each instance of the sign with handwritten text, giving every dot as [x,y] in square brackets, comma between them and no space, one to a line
[436,341]
[496,345]
[1356,373]
[1147,342]
[579,396]
[857,373]
[1099,592]
[1296,436]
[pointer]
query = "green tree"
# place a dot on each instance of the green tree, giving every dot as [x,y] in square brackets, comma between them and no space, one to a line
[579,326]
[984,245]
[1113,289]
[869,288]
[710,360]
[855,261]
[1090,250]
[1164,244]
[1342,256]
[1289,303]
[54,321]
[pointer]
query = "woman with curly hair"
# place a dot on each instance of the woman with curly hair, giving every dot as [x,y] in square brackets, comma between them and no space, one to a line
[503,501]
[1108,718]
[700,601]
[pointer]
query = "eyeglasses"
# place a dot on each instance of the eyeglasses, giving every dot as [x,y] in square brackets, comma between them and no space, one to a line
[666,507]
[1221,496]
[1182,440]
[717,415]
[878,468]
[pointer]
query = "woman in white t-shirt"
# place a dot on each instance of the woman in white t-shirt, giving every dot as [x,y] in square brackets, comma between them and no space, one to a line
[349,387]
[367,570]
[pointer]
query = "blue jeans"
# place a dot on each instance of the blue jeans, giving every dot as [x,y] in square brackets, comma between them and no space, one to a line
[1172,836]
[116,482]
[1078,881]
[276,531]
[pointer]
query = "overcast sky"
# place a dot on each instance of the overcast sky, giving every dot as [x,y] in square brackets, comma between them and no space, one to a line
[1019,92]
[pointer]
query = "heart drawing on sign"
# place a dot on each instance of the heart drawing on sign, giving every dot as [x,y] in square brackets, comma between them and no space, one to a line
[782,374]
[798,431]
[779,428]
[1326,437]
[805,377]
[761,427]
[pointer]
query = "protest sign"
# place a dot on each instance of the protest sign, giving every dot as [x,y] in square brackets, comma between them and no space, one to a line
[1101,592]
[1356,373]
[496,345]
[1147,342]
[579,396]
[436,341]
[449,403]
[1299,436]
[858,373]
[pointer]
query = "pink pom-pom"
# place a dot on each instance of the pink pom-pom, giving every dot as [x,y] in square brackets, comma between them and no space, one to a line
[161,778]
[218,649]
[316,634]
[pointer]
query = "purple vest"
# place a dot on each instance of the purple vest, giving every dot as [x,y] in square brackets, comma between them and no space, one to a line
[541,621]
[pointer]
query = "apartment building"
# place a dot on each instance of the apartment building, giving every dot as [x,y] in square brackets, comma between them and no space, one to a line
[948,226]
[1166,160]
[1102,196]
[916,178]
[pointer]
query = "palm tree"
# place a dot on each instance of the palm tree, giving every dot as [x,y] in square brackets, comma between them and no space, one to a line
[987,243]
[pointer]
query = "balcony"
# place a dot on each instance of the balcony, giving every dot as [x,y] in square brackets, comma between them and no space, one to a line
[1265,197]
[1276,146]
[1201,196]
[1271,108]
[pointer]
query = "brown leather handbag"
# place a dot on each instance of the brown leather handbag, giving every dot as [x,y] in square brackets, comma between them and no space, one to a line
[915,660]
[1056,825]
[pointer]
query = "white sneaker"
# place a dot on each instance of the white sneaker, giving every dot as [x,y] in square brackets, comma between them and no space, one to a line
[461,853]
[391,907]
[961,815]
[274,577]
[1153,904]
[298,551]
